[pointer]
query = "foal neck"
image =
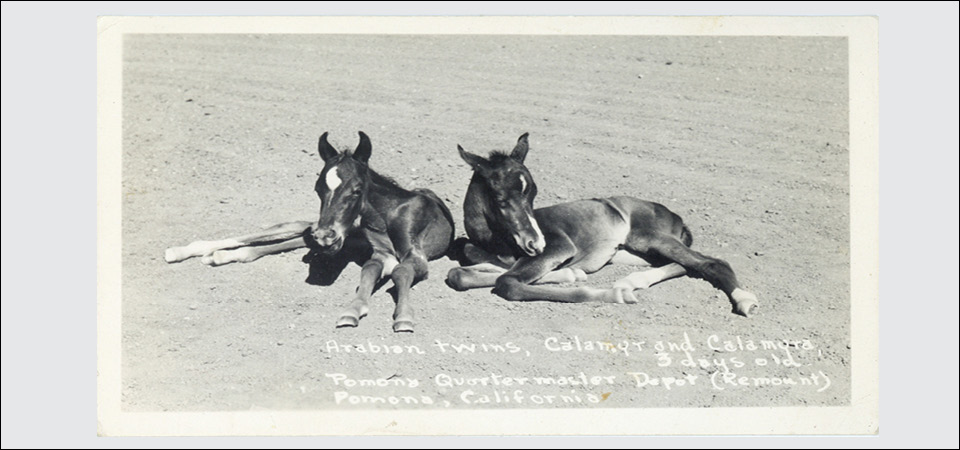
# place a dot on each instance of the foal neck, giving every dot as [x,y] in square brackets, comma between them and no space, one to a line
[382,196]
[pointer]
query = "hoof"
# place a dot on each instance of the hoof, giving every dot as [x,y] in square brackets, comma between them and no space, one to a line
[224,257]
[746,309]
[622,295]
[744,303]
[579,274]
[216,259]
[455,280]
[352,315]
[403,326]
[172,255]
[626,296]
[348,321]
[473,254]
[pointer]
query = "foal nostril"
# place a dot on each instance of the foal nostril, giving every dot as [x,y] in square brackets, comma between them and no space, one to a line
[534,247]
[325,237]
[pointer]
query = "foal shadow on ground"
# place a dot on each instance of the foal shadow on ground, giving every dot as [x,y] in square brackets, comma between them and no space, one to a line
[325,269]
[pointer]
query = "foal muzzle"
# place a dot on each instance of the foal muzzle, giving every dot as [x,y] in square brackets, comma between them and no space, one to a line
[328,240]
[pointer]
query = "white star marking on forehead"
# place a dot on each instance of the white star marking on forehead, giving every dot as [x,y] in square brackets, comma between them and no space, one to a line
[332,179]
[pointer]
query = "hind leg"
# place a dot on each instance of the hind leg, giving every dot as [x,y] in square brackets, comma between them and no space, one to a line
[626,258]
[251,253]
[713,270]
[647,278]
[280,232]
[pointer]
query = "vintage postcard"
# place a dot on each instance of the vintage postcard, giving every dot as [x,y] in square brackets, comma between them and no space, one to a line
[479,225]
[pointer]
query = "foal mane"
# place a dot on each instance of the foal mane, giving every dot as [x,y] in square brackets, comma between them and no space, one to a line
[498,156]
[384,181]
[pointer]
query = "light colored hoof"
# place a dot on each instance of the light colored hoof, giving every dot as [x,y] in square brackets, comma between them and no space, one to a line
[746,309]
[744,303]
[224,257]
[348,321]
[621,295]
[579,274]
[173,254]
[351,318]
[216,259]
[644,280]
[403,326]
[626,296]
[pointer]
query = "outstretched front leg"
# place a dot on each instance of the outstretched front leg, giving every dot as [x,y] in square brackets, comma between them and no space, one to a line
[486,274]
[412,269]
[515,284]
[277,233]
[488,267]
[373,270]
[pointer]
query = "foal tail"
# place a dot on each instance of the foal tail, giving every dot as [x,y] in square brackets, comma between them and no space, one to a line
[686,237]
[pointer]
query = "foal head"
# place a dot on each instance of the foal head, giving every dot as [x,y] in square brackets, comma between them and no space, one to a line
[508,191]
[341,186]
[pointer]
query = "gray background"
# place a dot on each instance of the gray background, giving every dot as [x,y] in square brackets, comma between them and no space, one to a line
[58,349]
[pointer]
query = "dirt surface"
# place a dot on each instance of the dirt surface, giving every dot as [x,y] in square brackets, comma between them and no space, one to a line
[745,138]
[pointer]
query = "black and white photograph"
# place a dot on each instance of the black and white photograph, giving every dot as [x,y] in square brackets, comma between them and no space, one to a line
[510,219]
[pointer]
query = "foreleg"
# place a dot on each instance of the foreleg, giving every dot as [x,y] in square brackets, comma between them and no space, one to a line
[486,274]
[477,255]
[412,269]
[370,274]
[515,284]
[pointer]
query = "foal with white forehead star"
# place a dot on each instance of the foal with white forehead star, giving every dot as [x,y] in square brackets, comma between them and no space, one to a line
[358,207]
[516,248]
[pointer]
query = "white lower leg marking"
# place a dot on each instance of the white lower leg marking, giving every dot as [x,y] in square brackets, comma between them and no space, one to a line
[200,248]
[228,256]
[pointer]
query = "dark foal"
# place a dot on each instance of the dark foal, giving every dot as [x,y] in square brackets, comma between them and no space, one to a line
[405,229]
[515,247]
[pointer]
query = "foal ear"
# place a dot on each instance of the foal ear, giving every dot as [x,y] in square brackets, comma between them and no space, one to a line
[364,148]
[520,151]
[326,150]
[476,162]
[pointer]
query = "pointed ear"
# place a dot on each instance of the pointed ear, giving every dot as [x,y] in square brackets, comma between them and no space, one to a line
[327,152]
[520,151]
[364,148]
[477,162]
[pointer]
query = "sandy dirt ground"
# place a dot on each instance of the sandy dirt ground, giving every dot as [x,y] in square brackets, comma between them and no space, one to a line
[745,138]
